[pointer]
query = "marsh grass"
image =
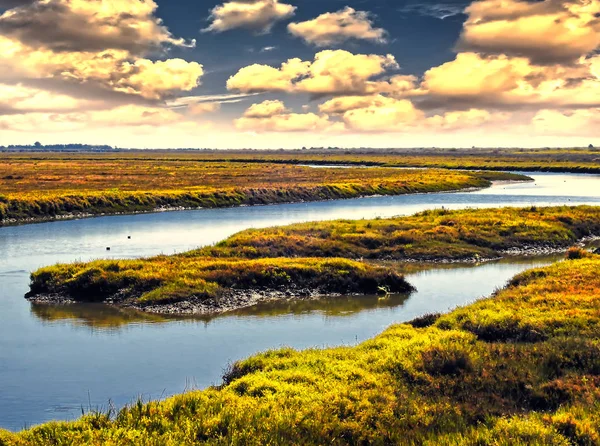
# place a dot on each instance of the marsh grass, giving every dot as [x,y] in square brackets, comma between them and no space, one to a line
[427,236]
[439,382]
[319,257]
[168,279]
[37,189]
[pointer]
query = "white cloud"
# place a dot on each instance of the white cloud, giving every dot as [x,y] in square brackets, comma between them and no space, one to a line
[333,28]
[546,31]
[334,72]
[256,15]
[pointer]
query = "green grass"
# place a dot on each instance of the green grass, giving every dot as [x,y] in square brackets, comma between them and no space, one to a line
[519,368]
[429,235]
[168,279]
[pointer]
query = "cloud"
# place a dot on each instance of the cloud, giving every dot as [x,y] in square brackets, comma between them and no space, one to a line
[86,26]
[20,99]
[203,108]
[114,70]
[546,32]
[382,115]
[460,120]
[333,72]
[93,45]
[333,28]
[217,98]
[440,11]
[266,109]
[255,15]
[8,4]
[273,116]
[512,82]
[123,116]
[344,104]
[567,122]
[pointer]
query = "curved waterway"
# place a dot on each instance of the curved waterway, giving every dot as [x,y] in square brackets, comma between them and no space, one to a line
[54,360]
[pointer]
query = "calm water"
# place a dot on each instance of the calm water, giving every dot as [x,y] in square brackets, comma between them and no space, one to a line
[53,360]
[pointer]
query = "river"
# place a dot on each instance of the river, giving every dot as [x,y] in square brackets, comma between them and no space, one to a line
[54,360]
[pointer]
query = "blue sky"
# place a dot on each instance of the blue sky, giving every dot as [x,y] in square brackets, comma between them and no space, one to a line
[292,73]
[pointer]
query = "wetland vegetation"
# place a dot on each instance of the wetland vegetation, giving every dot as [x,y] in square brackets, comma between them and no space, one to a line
[44,186]
[313,259]
[521,367]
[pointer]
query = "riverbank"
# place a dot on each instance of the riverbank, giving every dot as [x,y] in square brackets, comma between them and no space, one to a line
[172,284]
[304,260]
[37,191]
[520,367]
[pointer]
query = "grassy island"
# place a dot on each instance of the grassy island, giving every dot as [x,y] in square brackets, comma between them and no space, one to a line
[312,259]
[434,235]
[209,285]
[519,368]
[37,189]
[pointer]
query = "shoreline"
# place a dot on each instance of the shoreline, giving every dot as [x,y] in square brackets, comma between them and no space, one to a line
[237,299]
[88,215]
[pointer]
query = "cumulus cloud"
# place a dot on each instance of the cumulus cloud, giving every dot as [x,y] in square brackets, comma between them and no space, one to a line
[333,72]
[274,116]
[513,82]
[546,31]
[93,44]
[266,109]
[333,28]
[84,26]
[255,15]
[114,70]
[383,115]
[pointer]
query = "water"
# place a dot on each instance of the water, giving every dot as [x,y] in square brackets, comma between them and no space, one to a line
[53,360]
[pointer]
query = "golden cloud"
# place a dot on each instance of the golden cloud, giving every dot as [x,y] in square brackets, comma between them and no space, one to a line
[547,31]
[92,44]
[382,115]
[202,108]
[84,26]
[333,72]
[273,116]
[266,109]
[18,99]
[514,82]
[333,28]
[585,122]
[256,15]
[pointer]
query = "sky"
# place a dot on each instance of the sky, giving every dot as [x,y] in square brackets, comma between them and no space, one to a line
[300,73]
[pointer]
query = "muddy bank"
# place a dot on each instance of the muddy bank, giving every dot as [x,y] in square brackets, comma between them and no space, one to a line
[198,306]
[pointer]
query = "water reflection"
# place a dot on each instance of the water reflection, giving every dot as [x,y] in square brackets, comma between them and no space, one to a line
[100,317]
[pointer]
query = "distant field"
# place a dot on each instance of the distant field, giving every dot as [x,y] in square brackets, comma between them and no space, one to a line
[552,160]
[35,187]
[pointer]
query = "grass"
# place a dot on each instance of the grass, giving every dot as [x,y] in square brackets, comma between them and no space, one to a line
[548,159]
[320,257]
[429,235]
[41,187]
[519,368]
[169,279]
